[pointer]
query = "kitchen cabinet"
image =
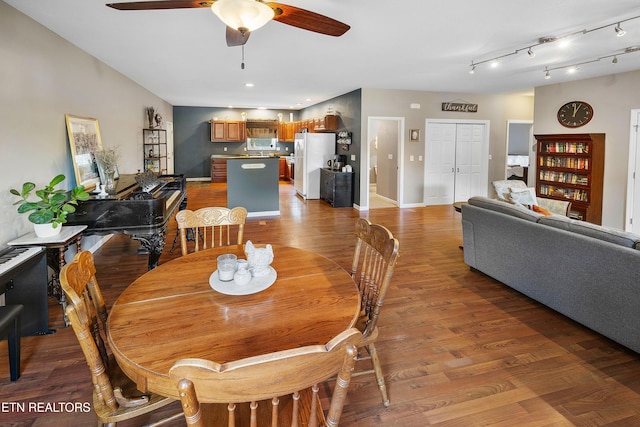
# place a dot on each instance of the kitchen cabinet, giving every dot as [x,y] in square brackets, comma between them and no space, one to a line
[336,188]
[218,170]
[228,131]
[282,168]
[288,130]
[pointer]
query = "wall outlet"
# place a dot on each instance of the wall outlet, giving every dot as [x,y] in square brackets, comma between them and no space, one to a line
[224,149]
[411,158]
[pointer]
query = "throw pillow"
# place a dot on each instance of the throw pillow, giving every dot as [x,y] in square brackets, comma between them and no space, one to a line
[525,197]
[541,210]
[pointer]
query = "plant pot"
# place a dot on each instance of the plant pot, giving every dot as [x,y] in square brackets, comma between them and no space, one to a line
[46,230]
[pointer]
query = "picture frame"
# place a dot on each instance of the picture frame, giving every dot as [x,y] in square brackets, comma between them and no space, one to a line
[414,135]
[84,140]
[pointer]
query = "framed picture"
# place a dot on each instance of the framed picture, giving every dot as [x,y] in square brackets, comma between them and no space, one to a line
[414,135]
[84,139]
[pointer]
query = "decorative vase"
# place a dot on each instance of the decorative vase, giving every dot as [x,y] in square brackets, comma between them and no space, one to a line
[109,181]
[47,230]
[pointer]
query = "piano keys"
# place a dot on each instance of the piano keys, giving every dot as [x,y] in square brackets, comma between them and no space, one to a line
[143,215]
[23,280]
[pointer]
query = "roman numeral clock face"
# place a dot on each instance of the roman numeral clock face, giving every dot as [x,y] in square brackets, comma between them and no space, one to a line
[575,114]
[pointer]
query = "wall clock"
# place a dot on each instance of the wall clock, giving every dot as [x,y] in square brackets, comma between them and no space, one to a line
[575,114]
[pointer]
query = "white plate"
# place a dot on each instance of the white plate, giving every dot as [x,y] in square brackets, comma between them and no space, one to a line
[256,284]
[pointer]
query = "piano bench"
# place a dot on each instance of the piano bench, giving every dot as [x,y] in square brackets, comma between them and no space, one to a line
[10,328]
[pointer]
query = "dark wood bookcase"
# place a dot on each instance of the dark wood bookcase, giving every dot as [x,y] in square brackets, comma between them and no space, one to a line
[571,166]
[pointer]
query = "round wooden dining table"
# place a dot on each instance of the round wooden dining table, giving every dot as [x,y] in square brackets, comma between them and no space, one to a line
[172,312]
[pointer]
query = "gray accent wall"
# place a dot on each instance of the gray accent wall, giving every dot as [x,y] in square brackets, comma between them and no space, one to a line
[192,137]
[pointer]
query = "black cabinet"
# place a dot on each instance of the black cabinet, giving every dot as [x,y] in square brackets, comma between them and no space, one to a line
[336,188]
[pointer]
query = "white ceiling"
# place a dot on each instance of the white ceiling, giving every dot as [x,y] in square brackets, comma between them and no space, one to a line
[427,45]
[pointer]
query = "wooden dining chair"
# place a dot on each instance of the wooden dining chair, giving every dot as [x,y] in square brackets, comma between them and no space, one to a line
[277,389]
[374,260]
[213,225]
[115,397]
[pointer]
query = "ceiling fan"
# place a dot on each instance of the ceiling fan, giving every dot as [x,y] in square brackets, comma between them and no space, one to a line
[244,16]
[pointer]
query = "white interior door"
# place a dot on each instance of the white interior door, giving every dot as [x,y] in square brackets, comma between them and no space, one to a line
[456,161]
[468,161]
[440,163]
[632,220]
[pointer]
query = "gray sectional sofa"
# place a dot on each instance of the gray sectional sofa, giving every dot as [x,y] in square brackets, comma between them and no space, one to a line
[587,272]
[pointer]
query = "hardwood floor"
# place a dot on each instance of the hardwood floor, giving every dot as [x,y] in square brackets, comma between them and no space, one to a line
[457,348]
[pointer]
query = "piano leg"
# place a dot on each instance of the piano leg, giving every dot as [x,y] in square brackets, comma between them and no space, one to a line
[154,244]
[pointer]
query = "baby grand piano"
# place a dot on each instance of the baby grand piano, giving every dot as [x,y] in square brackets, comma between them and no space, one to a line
[143,215]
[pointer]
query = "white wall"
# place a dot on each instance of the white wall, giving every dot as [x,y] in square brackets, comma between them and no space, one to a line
[42,78]
[498,109]
[612,98]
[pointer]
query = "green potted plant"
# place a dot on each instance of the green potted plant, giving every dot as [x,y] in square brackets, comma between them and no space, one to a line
[51,210]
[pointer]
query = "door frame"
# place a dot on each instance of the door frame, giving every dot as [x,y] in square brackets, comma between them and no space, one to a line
[366,152]
[485,149]
[632,171]
[530,149]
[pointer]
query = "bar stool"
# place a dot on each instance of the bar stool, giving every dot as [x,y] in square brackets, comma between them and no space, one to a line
[10,328]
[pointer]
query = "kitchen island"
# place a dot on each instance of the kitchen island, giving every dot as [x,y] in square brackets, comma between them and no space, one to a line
[252,182]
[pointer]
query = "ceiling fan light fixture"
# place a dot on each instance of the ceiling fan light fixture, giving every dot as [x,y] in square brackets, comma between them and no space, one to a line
[243,15]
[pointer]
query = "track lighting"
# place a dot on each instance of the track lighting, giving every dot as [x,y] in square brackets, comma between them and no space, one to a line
[561,40]
[575,67]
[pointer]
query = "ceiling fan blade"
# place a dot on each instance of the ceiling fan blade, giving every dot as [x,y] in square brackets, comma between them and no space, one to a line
[236,37]
[166,4]
[308,20]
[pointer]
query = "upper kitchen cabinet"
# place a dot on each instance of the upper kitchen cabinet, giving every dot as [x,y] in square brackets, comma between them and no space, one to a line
[228,131]
[287,130]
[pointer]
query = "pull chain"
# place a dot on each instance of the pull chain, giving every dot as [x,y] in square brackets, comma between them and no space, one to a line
[242,65]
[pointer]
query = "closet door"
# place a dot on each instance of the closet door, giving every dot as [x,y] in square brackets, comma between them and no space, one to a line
[440,164]
[456,162]
[468,179]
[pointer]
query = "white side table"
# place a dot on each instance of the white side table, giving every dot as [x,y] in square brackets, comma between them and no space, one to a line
[56,247]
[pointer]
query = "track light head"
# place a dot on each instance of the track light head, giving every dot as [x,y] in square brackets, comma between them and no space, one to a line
[531,53]
[614,60]
[547,74]
[473,69]
[619,31]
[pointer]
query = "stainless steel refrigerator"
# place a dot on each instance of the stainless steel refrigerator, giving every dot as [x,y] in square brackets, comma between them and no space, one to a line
[312,151]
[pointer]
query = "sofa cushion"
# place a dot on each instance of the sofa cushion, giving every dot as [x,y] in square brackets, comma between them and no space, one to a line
[506,208]
[599,232]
